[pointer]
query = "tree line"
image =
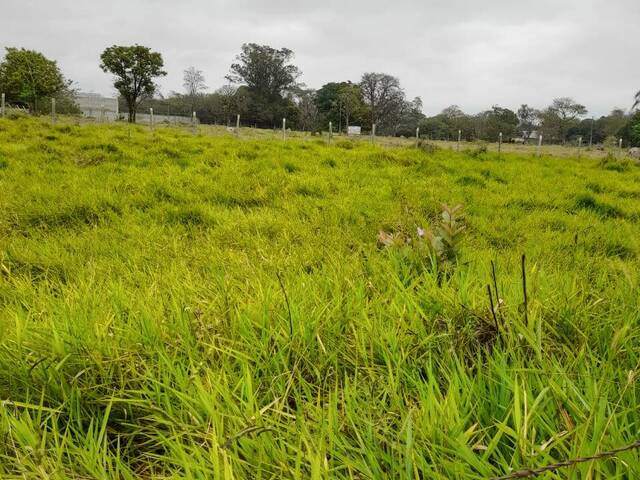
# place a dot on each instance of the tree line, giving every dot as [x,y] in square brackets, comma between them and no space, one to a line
[264,87]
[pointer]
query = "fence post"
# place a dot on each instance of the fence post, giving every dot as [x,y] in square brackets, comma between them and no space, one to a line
[53,111]
[2,105]
[193,122]
[459,137]
[151,118]
[330,132]
[102,119]
[417,136]
[579,145]
[539,145]
[500,143]
[284,129]
[238,125]
[373,132]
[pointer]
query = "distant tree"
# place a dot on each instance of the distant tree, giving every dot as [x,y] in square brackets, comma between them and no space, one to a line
[527,120]
[328,102]
[28,76]
[307,115]
[561,115]
[135,68]
[454,119]
[446,124]
[337,101]
[589,129]
[194,84]
[615,125]
[409,117]
[264,70]
[227,94]
[233,101]
[417,104]
[268,75]
[434,128]
[383,96]
[614,122]
[550,125]
[452,111]
[630,132]
[350,102]
[496,121]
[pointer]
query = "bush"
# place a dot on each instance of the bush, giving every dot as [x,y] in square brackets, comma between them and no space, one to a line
[345,144]
[439,243]
[478,151]
[610,162]
[427,147]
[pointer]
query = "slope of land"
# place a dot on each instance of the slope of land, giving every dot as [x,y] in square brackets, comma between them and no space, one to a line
[202,306]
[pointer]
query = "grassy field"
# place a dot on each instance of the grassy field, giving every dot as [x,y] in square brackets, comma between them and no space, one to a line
[569,150]
[198,306]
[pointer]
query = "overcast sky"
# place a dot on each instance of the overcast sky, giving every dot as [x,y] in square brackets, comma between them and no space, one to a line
[471,53]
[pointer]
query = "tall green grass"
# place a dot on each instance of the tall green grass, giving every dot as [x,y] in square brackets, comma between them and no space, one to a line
[180,306]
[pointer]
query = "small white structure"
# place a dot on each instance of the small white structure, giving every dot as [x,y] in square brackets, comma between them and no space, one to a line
[93,105]
[354,130]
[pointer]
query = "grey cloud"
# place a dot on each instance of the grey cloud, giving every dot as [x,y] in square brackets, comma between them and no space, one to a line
[474,54]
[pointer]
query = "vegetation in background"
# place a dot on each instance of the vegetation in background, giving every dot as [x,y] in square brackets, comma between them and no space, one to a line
[268,75]
[562,114]
[196,306]
[265,89]
[492,123]
[527,120]
[28,77]
[340,103]
[135,69]
[194,85]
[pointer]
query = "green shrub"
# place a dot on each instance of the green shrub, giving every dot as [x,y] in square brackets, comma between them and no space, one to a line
[345,144]
[478,151]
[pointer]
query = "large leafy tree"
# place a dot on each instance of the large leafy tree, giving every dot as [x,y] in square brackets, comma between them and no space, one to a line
[268,75]
[496,121]
[135,68]
[232,101]
[265,70]
[338,101]
[28,76]
[560,116]
[384,98]
[456,120]
[328,103]
[307,114]
[350,103]
[409,117]
[434,128]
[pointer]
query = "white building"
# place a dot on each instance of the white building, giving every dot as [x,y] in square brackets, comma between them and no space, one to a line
[93,105]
